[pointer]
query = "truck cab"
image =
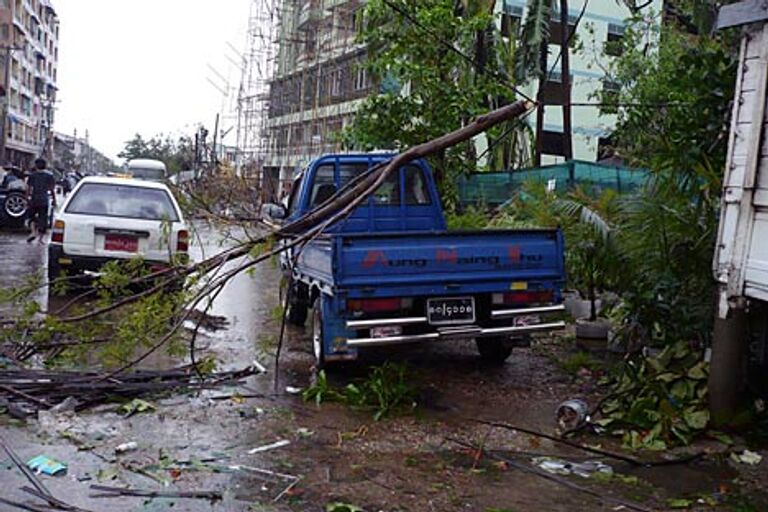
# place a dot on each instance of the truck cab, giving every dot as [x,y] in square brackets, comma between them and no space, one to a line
[406,201]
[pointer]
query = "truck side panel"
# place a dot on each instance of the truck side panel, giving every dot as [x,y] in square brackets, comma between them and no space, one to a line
[741,259]
[449,261]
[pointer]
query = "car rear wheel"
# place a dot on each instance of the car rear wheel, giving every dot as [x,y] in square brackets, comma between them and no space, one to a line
[318,347]
[494,350]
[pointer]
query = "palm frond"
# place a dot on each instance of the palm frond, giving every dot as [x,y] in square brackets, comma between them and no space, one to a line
[535,33]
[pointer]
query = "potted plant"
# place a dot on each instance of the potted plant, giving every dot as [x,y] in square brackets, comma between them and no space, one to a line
[590,260]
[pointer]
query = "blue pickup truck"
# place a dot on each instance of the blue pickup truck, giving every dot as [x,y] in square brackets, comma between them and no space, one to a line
[391,272]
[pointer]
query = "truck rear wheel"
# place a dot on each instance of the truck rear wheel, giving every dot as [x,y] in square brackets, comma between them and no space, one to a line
[494,350]
[297,309]
[318,347]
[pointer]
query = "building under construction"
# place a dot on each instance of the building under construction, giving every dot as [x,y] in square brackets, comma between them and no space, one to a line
[318,82]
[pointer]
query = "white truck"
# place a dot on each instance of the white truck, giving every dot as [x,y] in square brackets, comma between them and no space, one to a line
[741,255]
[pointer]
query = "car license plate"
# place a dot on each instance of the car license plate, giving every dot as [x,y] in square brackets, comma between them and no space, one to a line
[451,310]
[121,243]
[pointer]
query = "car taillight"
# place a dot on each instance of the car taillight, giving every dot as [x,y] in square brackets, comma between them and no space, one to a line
[57,233]
[524,297]
[378,305]
[182,241]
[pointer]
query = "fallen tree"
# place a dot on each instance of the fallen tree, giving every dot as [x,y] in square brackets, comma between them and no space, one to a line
[155,317]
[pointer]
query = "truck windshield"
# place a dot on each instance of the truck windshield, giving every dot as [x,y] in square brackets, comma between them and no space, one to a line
[388,194]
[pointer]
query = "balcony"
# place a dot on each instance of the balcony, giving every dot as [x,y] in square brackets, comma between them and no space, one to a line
[309,13]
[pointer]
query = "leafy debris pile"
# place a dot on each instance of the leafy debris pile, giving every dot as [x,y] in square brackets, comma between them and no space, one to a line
[659,402]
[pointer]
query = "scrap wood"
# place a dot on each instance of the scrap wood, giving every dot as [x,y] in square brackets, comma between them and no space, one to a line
[24,506]
[43,389]
[116,492]
[554,478]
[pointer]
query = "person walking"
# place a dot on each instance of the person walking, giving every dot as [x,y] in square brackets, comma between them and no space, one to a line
[41,185]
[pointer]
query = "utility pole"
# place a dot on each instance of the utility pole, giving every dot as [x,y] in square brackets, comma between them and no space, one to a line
[540,101]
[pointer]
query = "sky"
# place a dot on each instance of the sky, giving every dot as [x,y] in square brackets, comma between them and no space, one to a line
[142,66]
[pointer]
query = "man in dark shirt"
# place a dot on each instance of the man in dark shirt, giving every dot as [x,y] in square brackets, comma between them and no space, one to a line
[41,186]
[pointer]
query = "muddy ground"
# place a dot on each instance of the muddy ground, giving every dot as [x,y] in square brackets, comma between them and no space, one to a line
[410,462]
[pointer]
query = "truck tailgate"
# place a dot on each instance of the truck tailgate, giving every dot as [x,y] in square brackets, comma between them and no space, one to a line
[449,259]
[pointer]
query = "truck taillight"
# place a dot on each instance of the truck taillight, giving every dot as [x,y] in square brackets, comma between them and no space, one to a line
[57,233]
[378,305]
[524,297]
[182,241]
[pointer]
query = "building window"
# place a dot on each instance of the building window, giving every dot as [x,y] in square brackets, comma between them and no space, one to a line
[610,96]
[511,18]
[336,83]
[614,44]
[361,79]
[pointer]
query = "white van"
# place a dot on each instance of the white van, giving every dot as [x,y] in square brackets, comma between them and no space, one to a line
[147,169]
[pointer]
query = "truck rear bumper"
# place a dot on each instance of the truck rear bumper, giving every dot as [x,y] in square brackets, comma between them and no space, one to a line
[454,332]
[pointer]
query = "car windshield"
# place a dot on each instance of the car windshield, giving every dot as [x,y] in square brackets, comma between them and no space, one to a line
[147,174]
[112,200]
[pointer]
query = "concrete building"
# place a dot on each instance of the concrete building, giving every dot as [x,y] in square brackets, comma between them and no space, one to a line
[73,153]
[29,48]
[319,83]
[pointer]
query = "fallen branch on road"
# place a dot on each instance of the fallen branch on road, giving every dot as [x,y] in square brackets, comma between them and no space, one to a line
[117,492]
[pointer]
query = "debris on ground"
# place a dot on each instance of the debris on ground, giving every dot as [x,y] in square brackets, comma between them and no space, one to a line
[572,413]
[747,457]
[135,406]
[116,492]
[127,447]
[41,389]
[585,469]
[46,465]
[271,446]
[291,390]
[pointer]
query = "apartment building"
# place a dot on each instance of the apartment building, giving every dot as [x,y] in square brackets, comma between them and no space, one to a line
[598,33]
[29,49]
[319,82]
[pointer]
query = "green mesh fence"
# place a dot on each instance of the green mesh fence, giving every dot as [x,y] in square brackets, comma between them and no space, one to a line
[495,188]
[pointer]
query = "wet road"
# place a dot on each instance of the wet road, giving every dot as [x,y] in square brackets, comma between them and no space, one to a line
[204,442]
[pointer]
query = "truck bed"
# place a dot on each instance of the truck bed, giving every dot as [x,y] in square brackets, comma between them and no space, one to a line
[391,264]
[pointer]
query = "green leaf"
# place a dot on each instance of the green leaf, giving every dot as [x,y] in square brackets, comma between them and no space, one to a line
[342,507]
[699,371]
[679,503]
[135,406]
[696,419]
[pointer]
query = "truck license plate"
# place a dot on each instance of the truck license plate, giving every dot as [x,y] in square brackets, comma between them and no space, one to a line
[451,310]
[121,243]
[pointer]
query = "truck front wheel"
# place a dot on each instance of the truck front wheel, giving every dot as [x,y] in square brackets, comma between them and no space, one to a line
[494,350]
[318,347]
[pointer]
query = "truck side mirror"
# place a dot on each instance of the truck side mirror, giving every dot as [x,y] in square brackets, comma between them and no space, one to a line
[274,211]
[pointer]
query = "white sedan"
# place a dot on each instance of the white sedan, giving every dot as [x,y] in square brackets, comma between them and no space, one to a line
[106,219]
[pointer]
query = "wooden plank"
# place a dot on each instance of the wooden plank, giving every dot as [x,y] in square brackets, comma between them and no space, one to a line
[755,39]
[748,11]
[748,103]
